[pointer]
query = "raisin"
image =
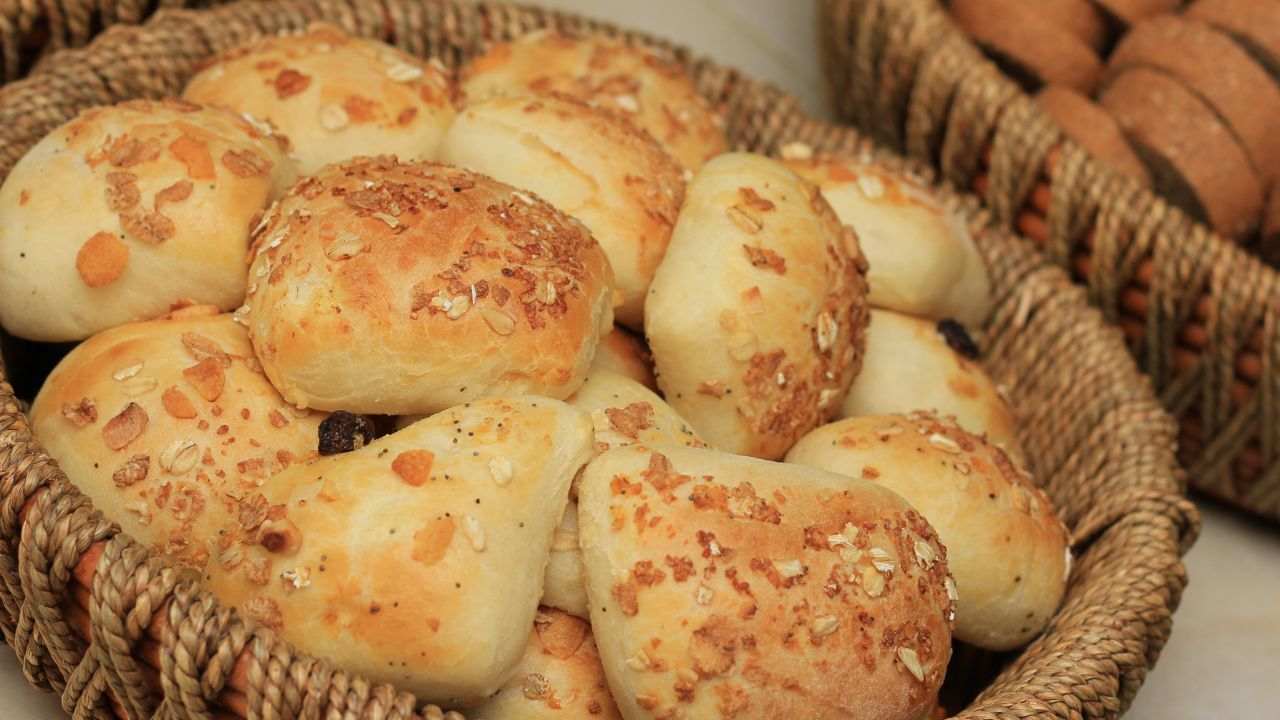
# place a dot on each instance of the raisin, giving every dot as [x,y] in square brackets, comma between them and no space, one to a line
[958,338]
[343,432]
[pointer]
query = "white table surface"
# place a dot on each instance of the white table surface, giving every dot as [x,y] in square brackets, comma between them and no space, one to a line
[1223,660]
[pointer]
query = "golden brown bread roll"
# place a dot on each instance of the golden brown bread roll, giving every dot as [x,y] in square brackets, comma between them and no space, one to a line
[1006,548]
[756,317]
[652,92]
[589,164]
[922,258]
[729,587]
[625,354]
[399,288]
[915,364]
[417,560]
[171,429]
[128,210]
[335,96]
[559,677]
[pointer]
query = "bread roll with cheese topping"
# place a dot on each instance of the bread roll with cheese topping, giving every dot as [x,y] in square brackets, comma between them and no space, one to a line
[400,288]
[129,210]
[729,587]
[589,164]
[1007,548]
[756,317]
[651,91]
[335,96]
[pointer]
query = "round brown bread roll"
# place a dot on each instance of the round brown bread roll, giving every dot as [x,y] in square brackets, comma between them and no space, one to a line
[560,676]
[1195,161]
[757,315]
[334,96]
[129,210]
[922,258]
[655,94]
[1081,17]
[588,163]
[728,587]
[1131,12]
[1254,24]
[914,364]
[171,428]
[1093,129]
[408,561]
[625,354]
[400,288]
[1028,44]
[1006,548]
[1218,70]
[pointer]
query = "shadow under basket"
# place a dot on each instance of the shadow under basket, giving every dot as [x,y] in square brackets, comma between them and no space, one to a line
[99,619]
[1200,314]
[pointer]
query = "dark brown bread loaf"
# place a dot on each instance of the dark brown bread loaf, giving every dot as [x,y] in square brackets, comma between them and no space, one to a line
[1219,71]
[1093,129]
[1255,24]
[1195,161]
[1031,48]
[1129,12]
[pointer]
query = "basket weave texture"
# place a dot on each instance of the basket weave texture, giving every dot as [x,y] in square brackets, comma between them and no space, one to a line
[1201,316]
[96,617]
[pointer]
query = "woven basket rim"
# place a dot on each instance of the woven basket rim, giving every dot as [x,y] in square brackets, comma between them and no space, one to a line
[38,502]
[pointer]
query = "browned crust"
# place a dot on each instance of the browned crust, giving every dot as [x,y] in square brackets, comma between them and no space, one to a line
[1018,31]
[1093,129]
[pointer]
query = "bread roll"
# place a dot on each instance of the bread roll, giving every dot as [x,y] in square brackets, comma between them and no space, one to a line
[588,163]
[1129,12]
[565,586]
[559,677]
[1254,25]
[922,257]
[724,586]
[1093,129]
[625,354]
[1007,549]
[757,315]
[400,288]
[652,92]
[417,560]
[1028,44]
[128,210]
[914,364]
[172,430]
[334,96]
[1081,17]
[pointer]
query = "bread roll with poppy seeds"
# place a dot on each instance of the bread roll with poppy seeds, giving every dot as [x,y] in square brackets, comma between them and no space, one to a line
[404,288]
[1093,129]
[334,95]
[1027,44]
[729,587]
[625,354]
[1006,548]
[418,559]
[922,258]
[652,92]
[171,428]
[129,210]
[589,164]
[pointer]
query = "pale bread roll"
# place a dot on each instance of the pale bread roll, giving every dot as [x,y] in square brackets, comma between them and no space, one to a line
[128,210]
[757,315]
[335,96]
[559,677]
[171,428]
[922,257]
[724,587]
[625,354]
[565,586]
[912,364]
[418,559]
[655,94]
[400,288]
[1007,549]
[589,164]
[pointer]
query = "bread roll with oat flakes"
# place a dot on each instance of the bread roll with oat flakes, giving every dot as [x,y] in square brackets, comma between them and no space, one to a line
[729,587]
[400,288]
[651,91]
[335,96]
[922,258]
[128,210]
[171,428]
[1006,547]
[756,317]
[417,560]
[560,676]
[625,354]
[589,164]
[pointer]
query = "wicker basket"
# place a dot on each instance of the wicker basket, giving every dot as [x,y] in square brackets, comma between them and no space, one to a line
[95,617]
[1201,316]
